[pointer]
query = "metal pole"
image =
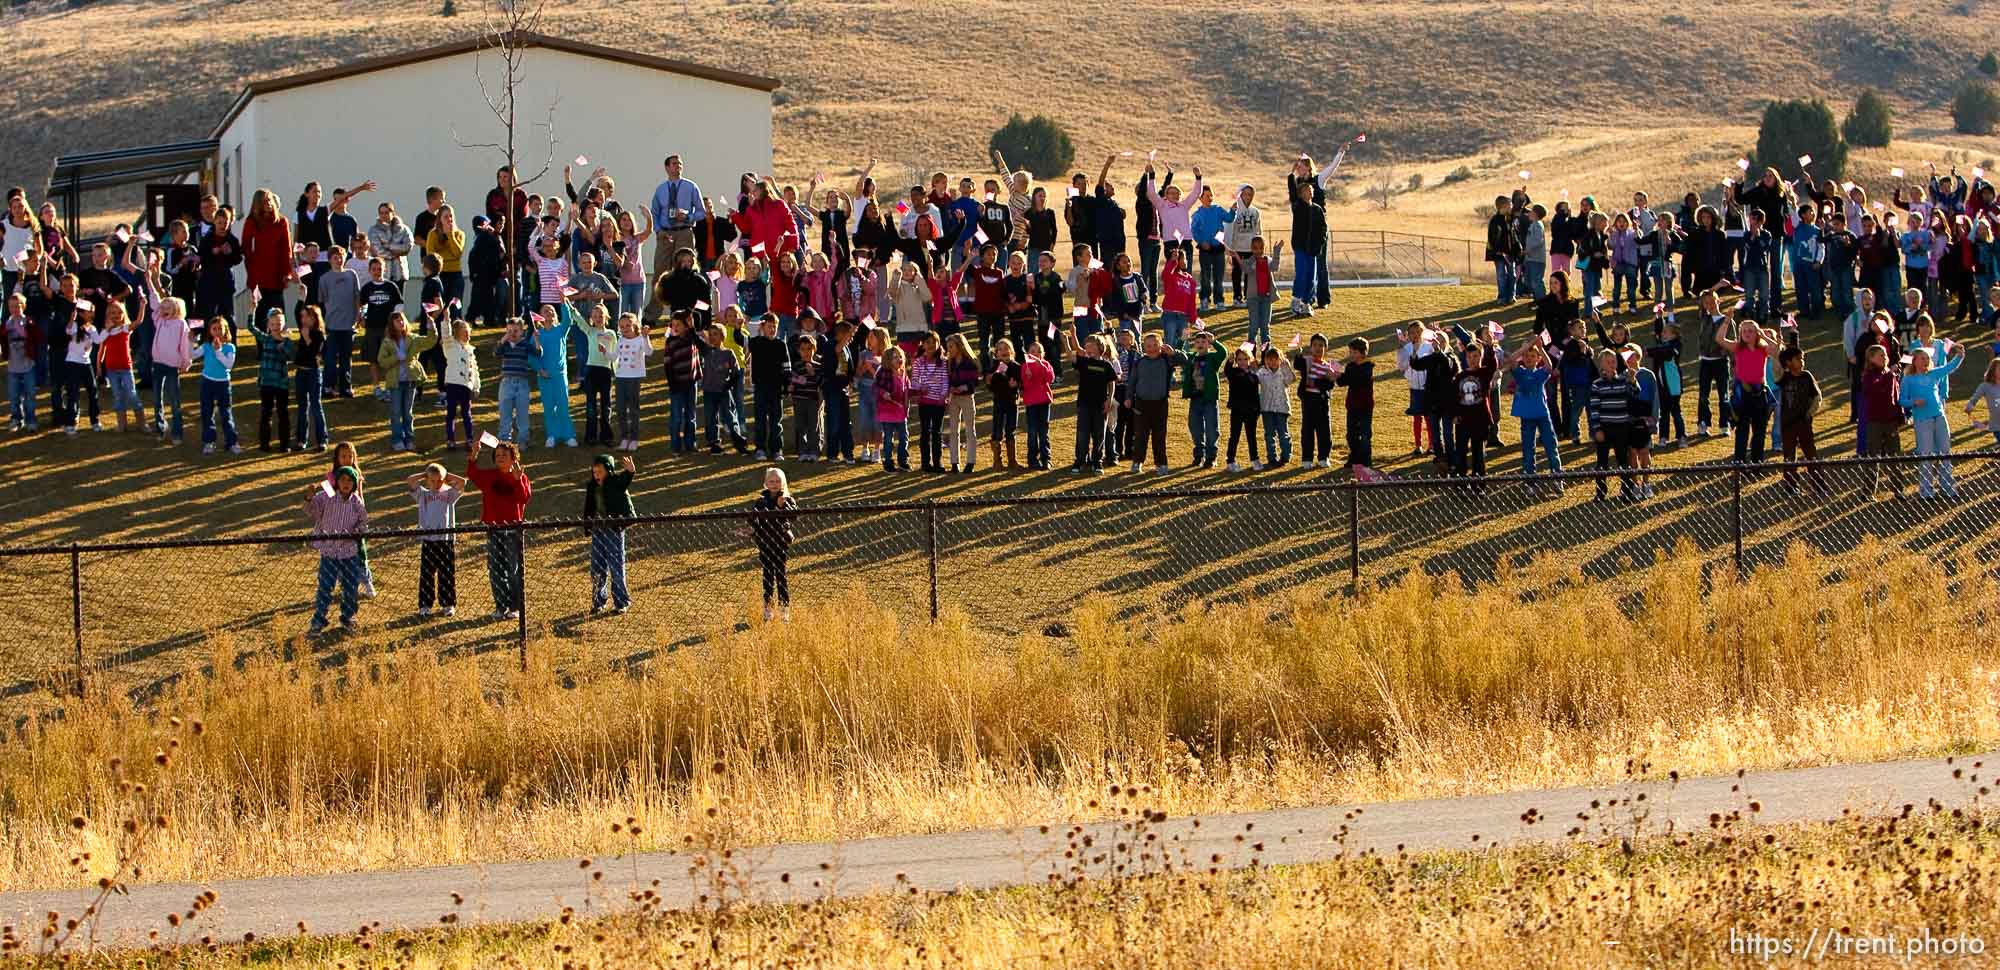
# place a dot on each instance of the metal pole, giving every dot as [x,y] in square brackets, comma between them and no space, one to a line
[1354,537]
[521,590]
[76,610]
[1736,516]
[931,549]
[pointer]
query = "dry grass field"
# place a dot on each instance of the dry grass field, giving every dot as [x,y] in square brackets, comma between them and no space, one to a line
[848,722]
[1913,890]
[1594,97]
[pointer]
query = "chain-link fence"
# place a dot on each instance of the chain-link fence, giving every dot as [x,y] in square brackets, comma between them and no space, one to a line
[136,616]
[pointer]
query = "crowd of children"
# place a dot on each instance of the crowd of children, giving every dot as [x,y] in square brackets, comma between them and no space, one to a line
[819,326]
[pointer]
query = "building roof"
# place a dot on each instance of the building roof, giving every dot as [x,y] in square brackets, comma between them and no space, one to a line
[489,42]
[99,170]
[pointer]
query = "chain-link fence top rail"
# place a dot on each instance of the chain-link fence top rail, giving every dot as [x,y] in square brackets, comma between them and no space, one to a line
[136,616]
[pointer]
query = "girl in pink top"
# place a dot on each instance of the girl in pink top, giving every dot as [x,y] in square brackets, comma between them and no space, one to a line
[892,410]
[1174,209]
[819,287]
[1037,377]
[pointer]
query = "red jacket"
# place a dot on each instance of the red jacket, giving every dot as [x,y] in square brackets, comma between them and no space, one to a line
[503,499]
[768,223]
[267,253]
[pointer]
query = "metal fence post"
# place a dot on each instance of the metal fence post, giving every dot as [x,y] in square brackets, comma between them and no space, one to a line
[1354,536]
[521,590]
[1736,515]
[76,610]
[931,552]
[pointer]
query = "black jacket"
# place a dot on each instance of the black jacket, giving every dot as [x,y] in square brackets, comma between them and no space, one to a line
[1501,241]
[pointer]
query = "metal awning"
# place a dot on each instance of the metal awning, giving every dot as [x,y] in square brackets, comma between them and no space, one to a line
[76,174]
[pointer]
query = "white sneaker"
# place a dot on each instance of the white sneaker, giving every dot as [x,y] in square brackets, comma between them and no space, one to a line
[235,449]
[768,613]
[1235,467]
[1159,469]
[513,614]
[72,430]
[423,612]
[207,449]
[785,613]
[97,426]
[759,455]
[1135,466]
[498,615]
[1701,429]
[569,442]
[368,590]
[549,443]
[448,611]
[1256,466]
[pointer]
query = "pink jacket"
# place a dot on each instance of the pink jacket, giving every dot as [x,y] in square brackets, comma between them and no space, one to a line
[767,224]
[1175,216]
[171,347]
[819,292]
[892,398]
[1037,376]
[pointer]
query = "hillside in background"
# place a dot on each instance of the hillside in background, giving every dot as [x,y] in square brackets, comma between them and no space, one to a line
[1648,90]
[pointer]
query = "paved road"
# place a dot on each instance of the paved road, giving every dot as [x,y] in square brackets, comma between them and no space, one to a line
[524,891]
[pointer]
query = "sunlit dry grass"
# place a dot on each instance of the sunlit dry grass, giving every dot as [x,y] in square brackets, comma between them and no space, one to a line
[855,726]
[1734,894]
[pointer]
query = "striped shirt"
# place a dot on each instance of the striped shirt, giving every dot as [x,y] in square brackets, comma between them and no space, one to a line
[1610,402]
[931,380]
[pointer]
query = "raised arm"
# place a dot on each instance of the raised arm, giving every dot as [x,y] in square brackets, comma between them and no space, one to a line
[342,198]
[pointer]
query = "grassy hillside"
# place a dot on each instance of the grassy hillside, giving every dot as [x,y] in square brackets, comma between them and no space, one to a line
[1436,83]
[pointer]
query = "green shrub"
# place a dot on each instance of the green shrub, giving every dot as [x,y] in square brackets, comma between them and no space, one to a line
[1975,109]
[1868,125]
[1990,65]
[1794,128]
[1036,144]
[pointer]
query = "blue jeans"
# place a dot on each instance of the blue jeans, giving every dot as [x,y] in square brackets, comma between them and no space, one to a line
[1260,318]
[1934,438]
[346,572]
[1038,435]
[215,407]
[515,393]
[1757,291]
[632,299]
[1593,284]
[1806,280]
[1209,284]
[1536,276]
[1277,436]
[402,413]
[839,434]
[1625,282]
[312,410]
[167,401]
[1173,323]
[607,568]
[503,568]
[1149,268]
[895,443]
[1573,409]
[1841,285]
[1503,279]
[1202,428]
[718,412]
[1545,429]
[770,404]
[1304,266]
[339,358]
[21,397]
[680,418]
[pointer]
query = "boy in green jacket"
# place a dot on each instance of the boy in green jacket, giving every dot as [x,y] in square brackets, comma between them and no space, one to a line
[1200,380]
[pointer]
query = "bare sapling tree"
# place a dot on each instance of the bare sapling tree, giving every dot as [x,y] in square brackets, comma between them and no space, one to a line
[502,50]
